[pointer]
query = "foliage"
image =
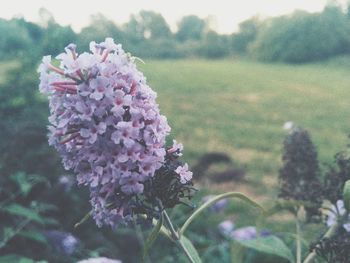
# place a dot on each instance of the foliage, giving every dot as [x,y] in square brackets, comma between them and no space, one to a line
[98,29]
[296,38]
[22,216]
[269,245]
[303,37]
[248,31]
[214,45]
[147,25]
[190,28]
[24,114]
[17,36]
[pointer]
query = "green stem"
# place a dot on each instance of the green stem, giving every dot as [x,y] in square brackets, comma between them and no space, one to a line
[11,198]
[174,234]
[298,238]
[176,237]
[214,200]
[331,231]
[19,228]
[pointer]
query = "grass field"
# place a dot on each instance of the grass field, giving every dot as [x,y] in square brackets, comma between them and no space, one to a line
[239,108]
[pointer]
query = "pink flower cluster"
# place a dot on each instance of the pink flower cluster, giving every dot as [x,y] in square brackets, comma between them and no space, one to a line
[105,124]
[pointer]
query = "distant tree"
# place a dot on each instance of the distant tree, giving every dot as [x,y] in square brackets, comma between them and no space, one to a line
[190,28]
[55,36]
[347,8]
[99,28]
[303,37]
[147,25]
[247,33]
[148,35]
[214,45]
[46,17]
[15,38]
[35,32]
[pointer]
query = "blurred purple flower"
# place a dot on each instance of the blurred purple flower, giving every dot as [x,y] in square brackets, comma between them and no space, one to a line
[63,242]
[66,182]
[244,233]
[217,207]
[226,227]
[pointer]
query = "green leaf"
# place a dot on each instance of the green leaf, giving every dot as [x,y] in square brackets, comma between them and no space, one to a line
[192,252]
[8,232]
[152,236]
[36,236]
[51,221]
[13,258]
[18,210]
[23,182]
[237,252]
[346,195]
[270,245]
[212,201]
[288,205]
[46,207]
[26,182]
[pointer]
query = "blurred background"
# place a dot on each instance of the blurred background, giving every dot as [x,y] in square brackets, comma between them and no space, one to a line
[231,78]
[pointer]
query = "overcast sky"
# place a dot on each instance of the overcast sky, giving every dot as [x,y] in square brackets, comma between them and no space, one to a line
[225,14]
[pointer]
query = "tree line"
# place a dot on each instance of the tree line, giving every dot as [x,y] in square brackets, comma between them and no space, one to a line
[295,38]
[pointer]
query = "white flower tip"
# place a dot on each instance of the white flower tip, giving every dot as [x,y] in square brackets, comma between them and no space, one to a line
[288,125]
[46,59]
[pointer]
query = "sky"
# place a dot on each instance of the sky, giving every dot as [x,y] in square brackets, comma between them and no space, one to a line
[224,15]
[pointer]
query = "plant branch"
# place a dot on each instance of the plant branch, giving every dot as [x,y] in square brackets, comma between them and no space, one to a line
[213,201]
[173,233]
[298,237]
[176,237]
[19,228]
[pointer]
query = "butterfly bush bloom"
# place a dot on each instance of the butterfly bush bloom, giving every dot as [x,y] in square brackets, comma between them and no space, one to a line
[107,127]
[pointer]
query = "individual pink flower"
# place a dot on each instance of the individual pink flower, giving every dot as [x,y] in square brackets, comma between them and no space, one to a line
[185,174]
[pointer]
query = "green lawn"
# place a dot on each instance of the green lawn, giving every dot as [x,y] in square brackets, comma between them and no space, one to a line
[239,107]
